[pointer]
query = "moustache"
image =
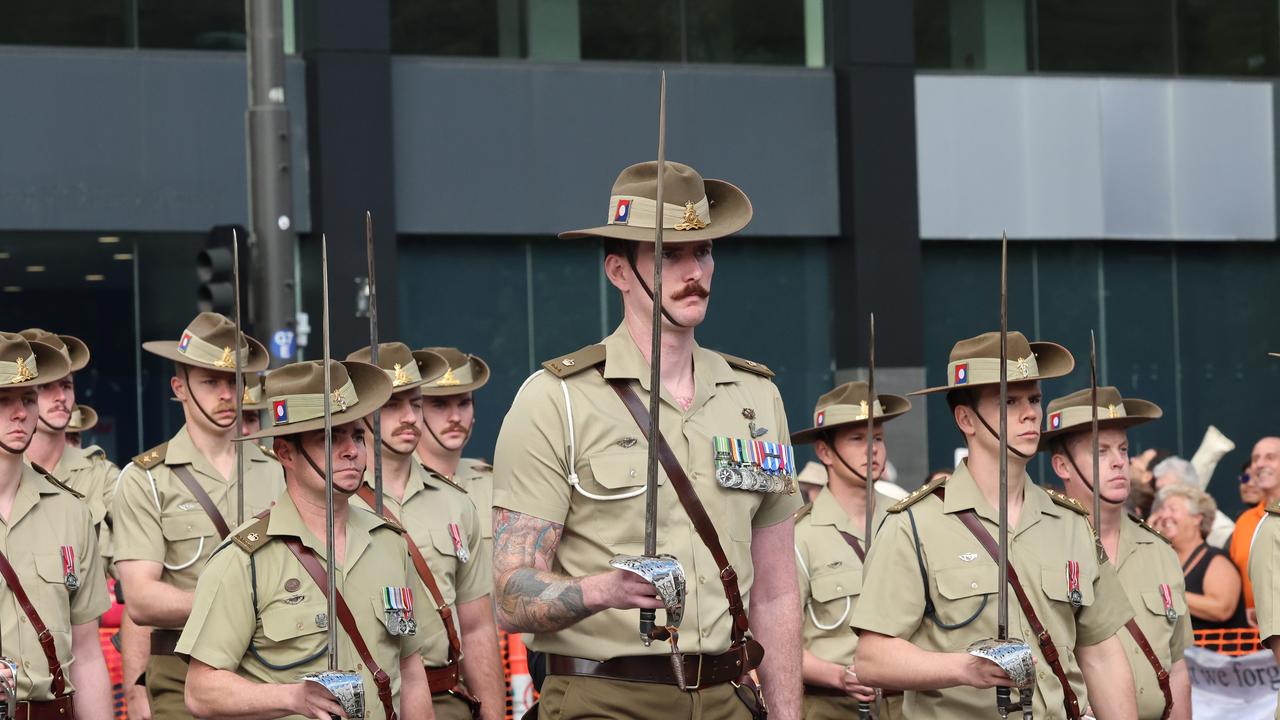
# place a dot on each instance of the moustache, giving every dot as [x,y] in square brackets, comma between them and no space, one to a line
[693,289]
[456,427]
[409,427]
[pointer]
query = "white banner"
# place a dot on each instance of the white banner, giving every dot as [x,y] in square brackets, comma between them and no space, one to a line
[1233,688]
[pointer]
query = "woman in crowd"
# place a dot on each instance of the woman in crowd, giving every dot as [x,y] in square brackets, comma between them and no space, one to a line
[1184,515]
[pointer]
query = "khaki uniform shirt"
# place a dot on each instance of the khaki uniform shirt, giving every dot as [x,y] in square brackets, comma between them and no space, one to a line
[476,477]
[430,505]
[1264,562]
[962,581]
[42,520]
[532,474]
[255,610]
[90,473]
[1144,560]
[155,517]
[829,574]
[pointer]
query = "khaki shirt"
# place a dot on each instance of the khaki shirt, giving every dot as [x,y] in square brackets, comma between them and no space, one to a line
[42,520]
[1264,561]
[254,610]
[532,471]
[476,477]
[430,505]
[829,574]
[1144,560]
[962,580]
[90,473]
[155,517]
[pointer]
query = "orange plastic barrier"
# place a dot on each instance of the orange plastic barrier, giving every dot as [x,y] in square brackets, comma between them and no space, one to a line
[1233,641]
[115,671]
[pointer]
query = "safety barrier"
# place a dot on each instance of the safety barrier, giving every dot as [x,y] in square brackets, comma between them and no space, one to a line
[1230,641]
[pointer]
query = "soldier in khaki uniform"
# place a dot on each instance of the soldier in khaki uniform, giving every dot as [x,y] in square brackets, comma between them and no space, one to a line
[87,471]
[48,543]
[569,483]
[1147,566]
[831,544]
[444,525]
[163,534]
[930,587]
[448,416]
[84,419]
[259,621]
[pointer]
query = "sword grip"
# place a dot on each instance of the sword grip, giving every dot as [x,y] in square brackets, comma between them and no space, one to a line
[648,618]
[1002,701]
[864,711]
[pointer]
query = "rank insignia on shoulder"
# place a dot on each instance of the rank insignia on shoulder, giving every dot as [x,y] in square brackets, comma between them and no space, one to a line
[918,494]
[152,457]
[1066,502]
[397,604]
[754,465]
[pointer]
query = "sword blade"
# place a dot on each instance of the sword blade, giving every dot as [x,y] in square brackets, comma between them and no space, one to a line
[1093,402]
[871,428]
[376,418]
[1002,623]
[647,617]
[330,543]
[239,424]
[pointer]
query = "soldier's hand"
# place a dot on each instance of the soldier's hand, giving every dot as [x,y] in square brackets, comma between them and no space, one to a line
[982,673]
[138,702]
[312,700]
[855,689]
[6,679]
[620,590]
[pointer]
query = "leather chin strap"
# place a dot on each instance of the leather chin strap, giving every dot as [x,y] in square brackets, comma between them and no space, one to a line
[369,424]
[53,427]
[297,443]
[631,260]
[1062,445]
[845,463]
[996,435]
[435,437]
[186,378]
[21,450]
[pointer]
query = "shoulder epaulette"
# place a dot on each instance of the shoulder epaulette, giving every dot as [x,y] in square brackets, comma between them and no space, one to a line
[1066,502]
[254,535]
[1274,508]
[918,494]
[750,366]
[482,467]
[56,482]
[802,512]
[93,451]
[575,362]
[152,457]
[1143,524]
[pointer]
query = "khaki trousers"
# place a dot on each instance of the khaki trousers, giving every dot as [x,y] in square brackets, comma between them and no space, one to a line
[822,707]
[166,680]
[569,697]
[450,707]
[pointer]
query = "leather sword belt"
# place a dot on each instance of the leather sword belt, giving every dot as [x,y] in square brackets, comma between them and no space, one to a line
[61,709]
[163,642]
[821,691]
[699,670]
[442,679]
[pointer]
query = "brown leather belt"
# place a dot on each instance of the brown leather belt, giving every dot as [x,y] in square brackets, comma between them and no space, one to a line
[699,670]
[163,642]
[833,692]
[61,709]
[442,679]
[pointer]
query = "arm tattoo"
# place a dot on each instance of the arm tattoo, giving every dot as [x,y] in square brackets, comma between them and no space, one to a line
[531,598]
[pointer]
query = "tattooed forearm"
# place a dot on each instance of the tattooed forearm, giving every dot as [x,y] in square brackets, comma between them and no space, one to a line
[530,597]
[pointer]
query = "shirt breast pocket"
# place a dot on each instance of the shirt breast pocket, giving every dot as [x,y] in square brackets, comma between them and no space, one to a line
[1154,602]
[185,538]
[1057,587]
[833,593]
[965,592]
[51,596]
[295,634]
[617,482]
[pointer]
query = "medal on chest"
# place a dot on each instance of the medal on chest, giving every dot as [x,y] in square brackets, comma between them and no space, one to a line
[754,465]
[397,607]
[69,568]
[1166,597]
[1074,596]
[459,547]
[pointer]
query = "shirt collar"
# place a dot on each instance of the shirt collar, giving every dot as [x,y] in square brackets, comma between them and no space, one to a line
[623,359]
[285,521]
[963,494]
[31,486]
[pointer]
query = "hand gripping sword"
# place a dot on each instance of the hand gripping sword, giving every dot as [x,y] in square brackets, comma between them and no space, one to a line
[1012,654]
[376,418]
[864,708]
[664,571]
[239,368]
[345,685]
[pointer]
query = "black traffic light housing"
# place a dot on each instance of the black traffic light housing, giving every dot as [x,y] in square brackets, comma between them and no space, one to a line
[216,291]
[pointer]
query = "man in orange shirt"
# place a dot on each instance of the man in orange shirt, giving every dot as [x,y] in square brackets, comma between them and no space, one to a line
[1264,471]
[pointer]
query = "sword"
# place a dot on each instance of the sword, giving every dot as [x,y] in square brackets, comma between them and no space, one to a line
[239,424]
[376,418]
[864,708]
[330,543]
[1093,402]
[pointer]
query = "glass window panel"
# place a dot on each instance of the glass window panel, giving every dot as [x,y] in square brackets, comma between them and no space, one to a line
[971,35]
[764,32]
[191,24]
[1106,36]
[631,30]
[87,23]
[1241,37]
[463,28]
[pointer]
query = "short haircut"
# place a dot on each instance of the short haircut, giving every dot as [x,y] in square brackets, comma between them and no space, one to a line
[1199,503]
[961,396]
[617,246]
[1182,471]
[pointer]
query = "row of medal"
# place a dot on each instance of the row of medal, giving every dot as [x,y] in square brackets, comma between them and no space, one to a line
[755,465]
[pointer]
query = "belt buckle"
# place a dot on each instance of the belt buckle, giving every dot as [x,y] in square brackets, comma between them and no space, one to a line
[697,683]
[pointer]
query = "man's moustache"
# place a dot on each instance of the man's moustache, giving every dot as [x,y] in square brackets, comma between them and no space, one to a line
[692,290]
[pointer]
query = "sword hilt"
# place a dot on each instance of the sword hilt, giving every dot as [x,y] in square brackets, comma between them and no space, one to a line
[648,619]
[1003,701]
[864,710]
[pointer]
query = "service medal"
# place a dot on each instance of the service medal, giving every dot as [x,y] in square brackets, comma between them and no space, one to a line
[69,568]
[459,548]
[1074,596]
[1166,596]
[397,604]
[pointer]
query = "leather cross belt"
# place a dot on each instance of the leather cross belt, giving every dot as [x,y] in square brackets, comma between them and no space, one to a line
[443,678]
[699,670]
[61,709]
[823,691]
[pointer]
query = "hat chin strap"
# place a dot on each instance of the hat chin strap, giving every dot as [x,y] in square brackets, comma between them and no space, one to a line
[996,435]
[186,378]
[1062,445]
[319,470]
[846,464]
[369,424]
[53,427]
[631,260]
[435,437]
[21,450]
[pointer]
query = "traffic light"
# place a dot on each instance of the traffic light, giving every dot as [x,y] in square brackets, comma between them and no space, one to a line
[216,291]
